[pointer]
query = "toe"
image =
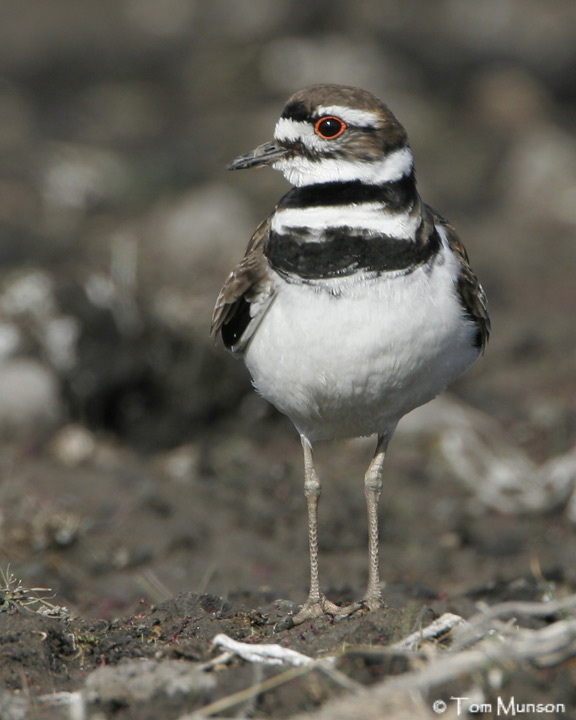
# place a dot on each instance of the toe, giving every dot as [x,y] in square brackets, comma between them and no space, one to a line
[323,606]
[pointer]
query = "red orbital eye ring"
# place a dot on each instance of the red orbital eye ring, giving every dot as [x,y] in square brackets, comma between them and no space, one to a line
[329,127]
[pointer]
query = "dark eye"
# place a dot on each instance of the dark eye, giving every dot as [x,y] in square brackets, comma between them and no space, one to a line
[329,127]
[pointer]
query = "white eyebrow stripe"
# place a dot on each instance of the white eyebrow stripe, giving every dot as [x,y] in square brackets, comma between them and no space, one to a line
[352,116]
[293,130]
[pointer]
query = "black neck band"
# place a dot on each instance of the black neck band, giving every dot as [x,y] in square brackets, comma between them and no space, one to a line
[344,251]
[398,195]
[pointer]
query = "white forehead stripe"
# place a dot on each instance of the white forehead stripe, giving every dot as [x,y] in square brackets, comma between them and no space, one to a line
[301,171]
[351,116]
[292,130]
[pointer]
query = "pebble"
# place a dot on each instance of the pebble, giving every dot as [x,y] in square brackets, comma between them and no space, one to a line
[30,399]
[73,445]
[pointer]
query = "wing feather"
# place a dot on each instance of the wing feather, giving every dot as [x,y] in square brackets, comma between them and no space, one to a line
[470,291]
[246,294]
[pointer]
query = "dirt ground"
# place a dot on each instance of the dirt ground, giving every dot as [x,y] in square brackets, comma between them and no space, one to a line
[149,501]
[154,565]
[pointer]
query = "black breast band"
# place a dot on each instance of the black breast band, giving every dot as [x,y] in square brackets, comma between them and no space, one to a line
[344,251]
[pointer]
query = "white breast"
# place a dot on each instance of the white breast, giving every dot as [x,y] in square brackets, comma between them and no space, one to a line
[350,356]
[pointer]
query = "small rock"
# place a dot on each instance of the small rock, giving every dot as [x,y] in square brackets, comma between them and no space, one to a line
[181,463]
[73,445]
[10,339]
[29,294]
[29,397]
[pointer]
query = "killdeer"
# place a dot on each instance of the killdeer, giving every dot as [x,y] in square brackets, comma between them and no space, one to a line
[355,302]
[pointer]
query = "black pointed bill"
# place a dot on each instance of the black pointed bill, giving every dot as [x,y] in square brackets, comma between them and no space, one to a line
[266,154]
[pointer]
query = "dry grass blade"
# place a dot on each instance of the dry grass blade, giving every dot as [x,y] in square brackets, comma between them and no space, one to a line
[442,626]
[485,621]
[14,593]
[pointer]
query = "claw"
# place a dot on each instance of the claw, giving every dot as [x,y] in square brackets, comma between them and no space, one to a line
[315,608]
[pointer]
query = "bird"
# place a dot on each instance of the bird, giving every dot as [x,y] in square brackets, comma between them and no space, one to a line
[355,302]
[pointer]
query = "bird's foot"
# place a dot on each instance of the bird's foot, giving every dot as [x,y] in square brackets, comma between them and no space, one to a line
[316,607]
[372,600]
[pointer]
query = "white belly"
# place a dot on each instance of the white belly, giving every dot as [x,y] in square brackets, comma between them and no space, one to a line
[353,364]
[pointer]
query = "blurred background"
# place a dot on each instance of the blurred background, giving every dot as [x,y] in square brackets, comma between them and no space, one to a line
[128,434]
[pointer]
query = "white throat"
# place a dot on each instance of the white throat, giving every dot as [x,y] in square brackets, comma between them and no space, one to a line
[301,171]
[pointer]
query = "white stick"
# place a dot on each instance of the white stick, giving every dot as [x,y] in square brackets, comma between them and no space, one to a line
[271,654]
